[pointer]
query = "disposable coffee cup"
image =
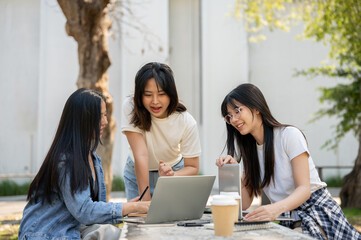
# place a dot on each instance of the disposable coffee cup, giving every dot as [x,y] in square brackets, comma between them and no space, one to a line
[236,197]
[223,212]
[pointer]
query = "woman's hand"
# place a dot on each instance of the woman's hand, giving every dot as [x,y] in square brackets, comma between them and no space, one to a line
[143,207]
[165,169]
[134,199]
[225,160]
[301,177]
[135,207]
[191,167]
[264,213]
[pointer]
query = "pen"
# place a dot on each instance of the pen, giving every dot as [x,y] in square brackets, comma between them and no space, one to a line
[192,224]
[141,196]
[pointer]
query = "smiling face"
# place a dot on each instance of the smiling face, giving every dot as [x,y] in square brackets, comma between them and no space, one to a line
[244,119]
[155,100]
[104,119]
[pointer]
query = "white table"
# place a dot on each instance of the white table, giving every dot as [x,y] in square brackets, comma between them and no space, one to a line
[173,232]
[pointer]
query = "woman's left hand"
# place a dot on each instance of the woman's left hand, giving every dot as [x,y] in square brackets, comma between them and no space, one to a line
[134,199]
[264,213]
[225,160]
[165,169]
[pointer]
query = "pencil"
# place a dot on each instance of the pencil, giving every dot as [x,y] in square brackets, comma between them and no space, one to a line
[141,196]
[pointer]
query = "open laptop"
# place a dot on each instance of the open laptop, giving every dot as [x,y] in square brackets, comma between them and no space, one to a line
[177,198]
[229,180]
[230,177]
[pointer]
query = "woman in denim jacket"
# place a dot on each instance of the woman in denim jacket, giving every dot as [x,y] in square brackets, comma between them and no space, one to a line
[67,198]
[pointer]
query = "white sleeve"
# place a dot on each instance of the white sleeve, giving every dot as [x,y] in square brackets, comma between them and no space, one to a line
[190,143]
[126,117]
[294,142]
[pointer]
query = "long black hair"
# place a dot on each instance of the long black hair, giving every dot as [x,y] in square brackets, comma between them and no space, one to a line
[77,134]
[250,96]
[163,76]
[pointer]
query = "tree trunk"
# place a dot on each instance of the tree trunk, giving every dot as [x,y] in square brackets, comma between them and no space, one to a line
[88,23]
[351,184]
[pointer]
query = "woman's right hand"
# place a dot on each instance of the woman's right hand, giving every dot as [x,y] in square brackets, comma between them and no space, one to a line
[135,207]
[225,160]
[143,206]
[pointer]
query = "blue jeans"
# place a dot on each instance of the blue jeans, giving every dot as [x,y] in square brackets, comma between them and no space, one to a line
[130,180]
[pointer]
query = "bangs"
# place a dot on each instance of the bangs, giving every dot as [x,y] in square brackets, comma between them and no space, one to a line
[161,82]
[231,101]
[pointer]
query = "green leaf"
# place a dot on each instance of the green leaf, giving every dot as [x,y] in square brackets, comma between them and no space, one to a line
[336,23]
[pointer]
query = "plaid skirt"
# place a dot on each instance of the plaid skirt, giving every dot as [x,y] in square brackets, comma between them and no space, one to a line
[322,210]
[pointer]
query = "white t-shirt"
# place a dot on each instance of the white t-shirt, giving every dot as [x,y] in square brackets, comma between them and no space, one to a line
[289,142]
[169,139]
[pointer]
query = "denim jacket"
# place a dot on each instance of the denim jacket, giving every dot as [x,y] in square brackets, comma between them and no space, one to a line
[62,218]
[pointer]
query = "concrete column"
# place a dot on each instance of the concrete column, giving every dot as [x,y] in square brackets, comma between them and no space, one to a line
[58,69]
[224,66]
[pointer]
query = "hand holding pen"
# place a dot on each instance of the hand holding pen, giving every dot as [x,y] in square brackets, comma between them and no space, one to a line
[141,196]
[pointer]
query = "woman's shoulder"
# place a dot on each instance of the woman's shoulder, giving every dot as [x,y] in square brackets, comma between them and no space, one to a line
[97,158]
[128,99]
[127,112]
[287,130]
[185,117]
[62,164]
[289,135]
[128,103]
[63,158]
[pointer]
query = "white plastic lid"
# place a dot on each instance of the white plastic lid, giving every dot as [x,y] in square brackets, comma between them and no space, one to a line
[235,195]
[223,200]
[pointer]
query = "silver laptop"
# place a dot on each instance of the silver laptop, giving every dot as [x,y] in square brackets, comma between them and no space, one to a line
[229,180]
[176,199]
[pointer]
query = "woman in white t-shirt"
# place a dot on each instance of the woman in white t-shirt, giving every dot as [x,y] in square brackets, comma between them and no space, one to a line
[162,135]
[276,160]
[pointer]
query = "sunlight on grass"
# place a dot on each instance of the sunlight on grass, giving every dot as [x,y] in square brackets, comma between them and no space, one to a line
[9,232]
[353,215]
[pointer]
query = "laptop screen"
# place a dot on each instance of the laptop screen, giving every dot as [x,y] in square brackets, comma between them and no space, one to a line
[179,198]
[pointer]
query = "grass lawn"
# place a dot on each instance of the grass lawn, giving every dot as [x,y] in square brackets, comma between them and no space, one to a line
[353,215]
[9,227]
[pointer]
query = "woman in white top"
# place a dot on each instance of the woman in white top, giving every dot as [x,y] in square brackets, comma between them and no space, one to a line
[162,135]
[276,160]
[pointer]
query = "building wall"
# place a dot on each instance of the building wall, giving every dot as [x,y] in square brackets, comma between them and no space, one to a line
[224,66]
[294,100]
[129,53]
[208,51]
[185,52]
[58,71]
[19,73]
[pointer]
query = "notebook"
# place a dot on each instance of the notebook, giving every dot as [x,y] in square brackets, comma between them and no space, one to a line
[246,226]
[177,198]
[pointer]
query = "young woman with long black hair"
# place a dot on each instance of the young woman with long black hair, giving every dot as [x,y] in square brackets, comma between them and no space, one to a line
[276,160]
[67,198]
[162,135]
